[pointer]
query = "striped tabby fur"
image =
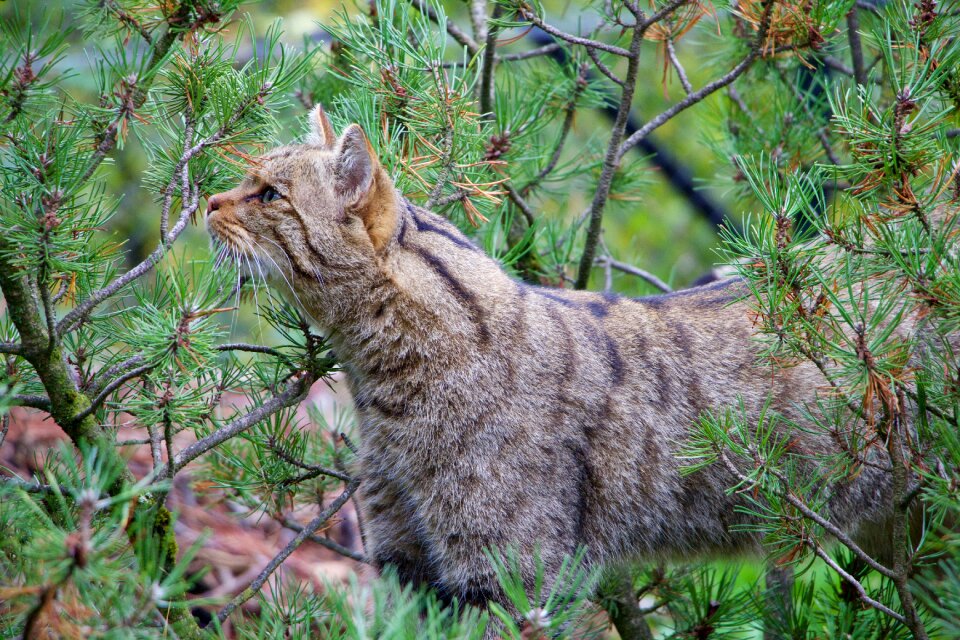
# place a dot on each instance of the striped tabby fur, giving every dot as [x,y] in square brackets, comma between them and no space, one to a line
[493,412]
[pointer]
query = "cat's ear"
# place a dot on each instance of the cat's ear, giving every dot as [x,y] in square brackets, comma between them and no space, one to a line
[366,187]
[355,163]
[321,132]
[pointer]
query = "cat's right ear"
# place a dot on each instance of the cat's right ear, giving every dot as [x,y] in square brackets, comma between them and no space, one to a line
[321,131]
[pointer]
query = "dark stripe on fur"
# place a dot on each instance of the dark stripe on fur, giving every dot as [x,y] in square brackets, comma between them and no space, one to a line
[294,258]
[600,308]
[461,293]
[425,226]
[543,293]
[314,252]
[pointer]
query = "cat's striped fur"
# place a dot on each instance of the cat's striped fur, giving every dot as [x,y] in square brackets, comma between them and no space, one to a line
[496,413]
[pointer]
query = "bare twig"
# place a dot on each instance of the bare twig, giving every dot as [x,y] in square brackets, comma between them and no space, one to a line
[604,69]
[518,200]
[252,348]
[607,261]
[314,469]
[272,566]
[110,388]
[853,582]
[104,377]
[569,37]
[697,96]
[294,391]
[672,54]
[326,542]
[546,49]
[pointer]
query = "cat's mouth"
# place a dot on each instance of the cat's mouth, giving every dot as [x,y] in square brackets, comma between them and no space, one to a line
[229,241]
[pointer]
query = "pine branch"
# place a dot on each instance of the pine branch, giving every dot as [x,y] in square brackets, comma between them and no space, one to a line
[293,525]
[610,162]
[275,563]
[292,394]
[697,96]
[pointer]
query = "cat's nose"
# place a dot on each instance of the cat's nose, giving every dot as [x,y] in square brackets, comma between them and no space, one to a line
[213,203]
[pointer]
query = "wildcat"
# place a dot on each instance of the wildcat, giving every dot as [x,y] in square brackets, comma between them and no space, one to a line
[496,413]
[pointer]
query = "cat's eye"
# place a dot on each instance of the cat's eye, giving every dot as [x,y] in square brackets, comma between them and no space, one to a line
[269,195]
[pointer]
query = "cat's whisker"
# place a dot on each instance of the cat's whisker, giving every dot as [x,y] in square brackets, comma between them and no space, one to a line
[303,307]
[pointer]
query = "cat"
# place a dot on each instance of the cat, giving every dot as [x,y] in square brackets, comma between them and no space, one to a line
[495,413]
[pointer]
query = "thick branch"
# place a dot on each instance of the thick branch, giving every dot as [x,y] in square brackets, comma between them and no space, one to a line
[610,162]
[34,401]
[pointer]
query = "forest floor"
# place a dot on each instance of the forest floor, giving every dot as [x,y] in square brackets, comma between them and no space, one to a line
[235,546]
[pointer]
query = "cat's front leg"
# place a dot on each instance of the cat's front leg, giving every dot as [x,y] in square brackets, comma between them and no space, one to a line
[393,539]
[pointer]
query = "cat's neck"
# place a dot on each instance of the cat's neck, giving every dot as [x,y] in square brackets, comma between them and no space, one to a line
[426,299]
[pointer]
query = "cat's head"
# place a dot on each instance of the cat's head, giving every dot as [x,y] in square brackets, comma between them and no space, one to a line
[308,209]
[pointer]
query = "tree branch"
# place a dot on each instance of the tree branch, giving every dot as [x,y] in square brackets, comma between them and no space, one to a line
[291,395]
[672,54]
[610,162]
[858,587]
[252,348]
[272,566]
[33,401]
[326,542]
[634,271]
[856,48]
[586,42]
[708,89]
[312,468]
[110,388]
